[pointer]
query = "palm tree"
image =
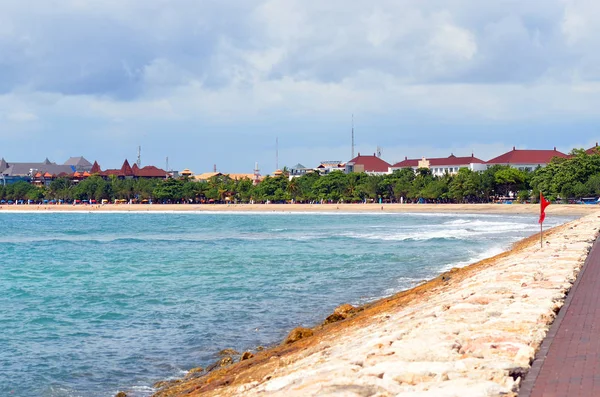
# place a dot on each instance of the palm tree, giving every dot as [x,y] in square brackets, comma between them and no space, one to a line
[293,188]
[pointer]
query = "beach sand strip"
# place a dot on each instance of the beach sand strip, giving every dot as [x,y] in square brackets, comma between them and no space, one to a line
[563,209]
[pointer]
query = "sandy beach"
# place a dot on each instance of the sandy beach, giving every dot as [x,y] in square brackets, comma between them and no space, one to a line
[472,331]
[562,209]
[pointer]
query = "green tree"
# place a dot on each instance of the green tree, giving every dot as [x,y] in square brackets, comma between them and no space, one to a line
[60,189]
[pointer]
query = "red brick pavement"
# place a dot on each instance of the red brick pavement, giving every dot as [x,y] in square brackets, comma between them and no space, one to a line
[568,362]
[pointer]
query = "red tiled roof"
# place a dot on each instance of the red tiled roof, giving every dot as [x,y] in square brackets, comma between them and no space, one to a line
[126,169]
[527,157]
[407,163]
[76,174]
[371,163]
[593,150]
[453,160]
[111,172]
[148,171]
[95,168]
[439,161]
[151,171]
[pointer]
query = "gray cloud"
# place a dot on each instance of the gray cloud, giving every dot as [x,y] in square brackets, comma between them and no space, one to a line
[102,48]
[415,72]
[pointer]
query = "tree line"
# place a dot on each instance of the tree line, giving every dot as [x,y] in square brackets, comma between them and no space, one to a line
[567,179]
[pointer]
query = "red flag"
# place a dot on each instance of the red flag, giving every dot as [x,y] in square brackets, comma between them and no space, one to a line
[543,204]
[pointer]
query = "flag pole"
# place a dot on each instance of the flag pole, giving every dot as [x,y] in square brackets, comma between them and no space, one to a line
[541,235]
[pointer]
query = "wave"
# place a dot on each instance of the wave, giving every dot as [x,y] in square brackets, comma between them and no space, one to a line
[459,229]
[466,231]
[491,252]
[454,234]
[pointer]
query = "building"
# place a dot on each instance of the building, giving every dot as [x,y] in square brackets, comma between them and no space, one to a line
[370,164]
[239,177]
[128,172]
[186,173]
[29,169]
[299,170]
[205,177]
[15,172]
[593,150]
[80,164]
[442,165]
[328,166]
[526,160]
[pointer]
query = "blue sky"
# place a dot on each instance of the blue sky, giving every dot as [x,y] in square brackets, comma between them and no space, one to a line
[216,81]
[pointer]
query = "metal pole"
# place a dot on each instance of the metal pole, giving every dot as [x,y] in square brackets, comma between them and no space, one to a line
[541,236]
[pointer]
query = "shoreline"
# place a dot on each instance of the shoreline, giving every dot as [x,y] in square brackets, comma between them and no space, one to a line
[559,209]
[282,365]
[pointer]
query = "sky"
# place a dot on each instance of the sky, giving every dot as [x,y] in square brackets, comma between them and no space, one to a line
[216,82]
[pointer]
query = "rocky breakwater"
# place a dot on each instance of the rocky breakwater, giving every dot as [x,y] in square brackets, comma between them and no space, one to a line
[470,332]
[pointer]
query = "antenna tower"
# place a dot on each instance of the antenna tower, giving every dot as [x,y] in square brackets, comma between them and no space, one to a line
[276,153]
[139,158]
[379,150]
[215,168]
[256,174]
[167,164]
[352,135]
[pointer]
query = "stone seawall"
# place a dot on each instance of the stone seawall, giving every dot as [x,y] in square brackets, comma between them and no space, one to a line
[470,332]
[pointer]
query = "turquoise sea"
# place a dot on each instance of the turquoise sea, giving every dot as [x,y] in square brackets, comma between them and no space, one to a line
[93,303]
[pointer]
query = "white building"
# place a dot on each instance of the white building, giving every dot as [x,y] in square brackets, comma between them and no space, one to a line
[442,165]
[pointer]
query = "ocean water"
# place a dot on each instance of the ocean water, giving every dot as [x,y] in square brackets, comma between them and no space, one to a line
[93,303]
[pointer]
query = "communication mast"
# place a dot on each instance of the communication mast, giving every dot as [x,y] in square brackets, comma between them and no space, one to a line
[352,136]
[379,150]
[276,153]
[215,168]
[167,165]
[139,158]
[256,174]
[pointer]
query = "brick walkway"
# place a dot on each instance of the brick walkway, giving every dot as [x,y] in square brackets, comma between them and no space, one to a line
[568,363]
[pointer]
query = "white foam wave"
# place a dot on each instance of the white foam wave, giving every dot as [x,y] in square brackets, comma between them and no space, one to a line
[466,230]
[493,251]
[418,236]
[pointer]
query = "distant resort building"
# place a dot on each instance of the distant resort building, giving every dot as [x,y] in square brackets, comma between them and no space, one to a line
[77,169]
[372,165]
[205,177]
[441,165]
[186,173]
[80,164]
[15,172]
[526,160]
[299,170]
[593,150]
[328,166]
[128,172]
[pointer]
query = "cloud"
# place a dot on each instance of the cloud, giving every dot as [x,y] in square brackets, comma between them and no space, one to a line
[21,117]
[435,73]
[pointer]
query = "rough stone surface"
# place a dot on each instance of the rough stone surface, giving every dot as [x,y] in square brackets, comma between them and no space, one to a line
[228,352]
[472,335]
[298,333]
[341,313]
